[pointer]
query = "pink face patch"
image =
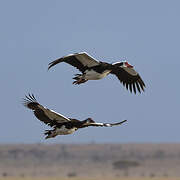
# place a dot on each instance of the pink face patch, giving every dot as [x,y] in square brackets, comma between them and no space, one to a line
[128,65]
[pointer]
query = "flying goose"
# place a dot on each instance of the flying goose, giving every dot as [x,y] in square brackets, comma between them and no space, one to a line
[93,70]
[61,125]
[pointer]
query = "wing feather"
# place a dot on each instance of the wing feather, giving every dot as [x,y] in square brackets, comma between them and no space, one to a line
[129,78]
[45,115]
[137,85]
[81,61]
[134,88]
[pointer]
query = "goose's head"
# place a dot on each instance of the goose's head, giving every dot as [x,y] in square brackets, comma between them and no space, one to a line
[88,121]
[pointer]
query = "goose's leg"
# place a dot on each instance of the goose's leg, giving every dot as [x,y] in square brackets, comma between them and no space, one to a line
[80,81]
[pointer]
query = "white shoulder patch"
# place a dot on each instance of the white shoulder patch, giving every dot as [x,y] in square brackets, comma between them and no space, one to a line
[86,59]
[54,115]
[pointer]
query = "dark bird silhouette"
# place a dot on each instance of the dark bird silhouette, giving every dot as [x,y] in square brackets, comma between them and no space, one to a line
[61,125]
[94,70]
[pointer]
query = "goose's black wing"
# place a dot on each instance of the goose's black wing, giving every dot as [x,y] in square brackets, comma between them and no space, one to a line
[81,61]
[130,78]
[104,124]
[45,115]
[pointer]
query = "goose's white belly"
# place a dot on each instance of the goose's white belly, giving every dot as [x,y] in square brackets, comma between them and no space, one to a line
[93,75]
[64,131]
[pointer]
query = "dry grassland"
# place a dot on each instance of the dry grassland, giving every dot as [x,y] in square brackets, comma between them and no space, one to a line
[85,178]
[90,162]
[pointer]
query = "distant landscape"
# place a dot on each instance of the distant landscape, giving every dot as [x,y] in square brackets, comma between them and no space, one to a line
[90,160]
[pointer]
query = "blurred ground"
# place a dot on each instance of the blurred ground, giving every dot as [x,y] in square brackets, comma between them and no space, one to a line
[91,160]
[82,178]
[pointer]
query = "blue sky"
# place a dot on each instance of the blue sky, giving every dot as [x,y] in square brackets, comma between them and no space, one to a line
[145,33]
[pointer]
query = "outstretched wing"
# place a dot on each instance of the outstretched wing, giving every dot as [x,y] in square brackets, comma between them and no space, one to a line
[130,78]
[79,60]
[45,115]
[105,124]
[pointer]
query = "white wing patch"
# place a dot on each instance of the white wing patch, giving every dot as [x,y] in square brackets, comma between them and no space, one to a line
[101,124]
[86,59]
[107,124]
[54,115]
[130,71]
